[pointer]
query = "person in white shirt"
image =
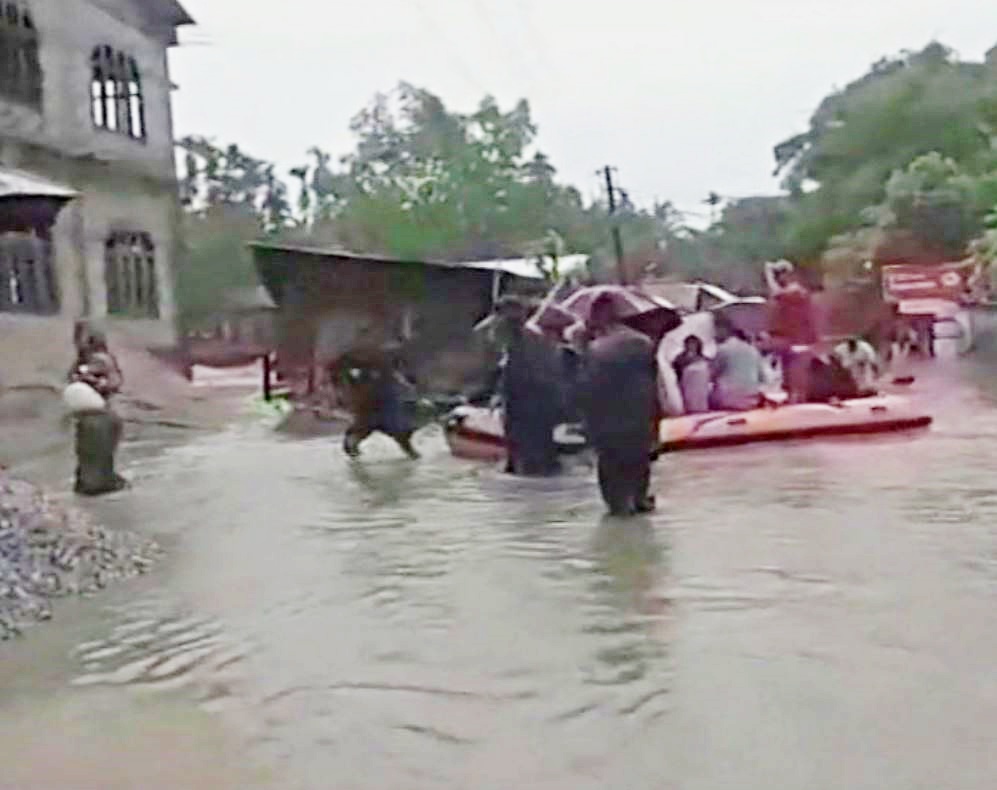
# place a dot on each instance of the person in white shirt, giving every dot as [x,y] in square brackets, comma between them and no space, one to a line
[692,370]
[859,358]
[738,371]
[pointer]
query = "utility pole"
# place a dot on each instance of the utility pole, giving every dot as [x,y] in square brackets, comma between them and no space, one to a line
[713,200]
[617,239]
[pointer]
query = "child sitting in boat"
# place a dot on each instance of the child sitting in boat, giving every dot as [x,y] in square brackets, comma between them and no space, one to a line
[692,370]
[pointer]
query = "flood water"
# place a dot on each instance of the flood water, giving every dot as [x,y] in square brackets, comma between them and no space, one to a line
[797,616]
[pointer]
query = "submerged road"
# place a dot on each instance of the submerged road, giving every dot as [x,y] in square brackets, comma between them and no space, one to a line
[808,616]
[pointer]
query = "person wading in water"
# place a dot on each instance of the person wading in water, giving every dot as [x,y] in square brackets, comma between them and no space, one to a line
[532,392]
[98,433]
[619,398]
[377,394]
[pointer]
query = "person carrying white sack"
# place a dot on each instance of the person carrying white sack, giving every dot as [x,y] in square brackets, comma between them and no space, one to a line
[94,379]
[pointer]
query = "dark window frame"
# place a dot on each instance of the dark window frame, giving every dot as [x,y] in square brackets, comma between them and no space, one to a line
[21,78]
[130,275]
[28,280]
[117,101]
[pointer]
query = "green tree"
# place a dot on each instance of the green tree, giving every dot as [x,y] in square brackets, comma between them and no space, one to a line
[230,198]
[903,108]
[214,260]
[214,176]
[426,182]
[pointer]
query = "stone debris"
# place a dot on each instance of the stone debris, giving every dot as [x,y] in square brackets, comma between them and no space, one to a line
[47,552]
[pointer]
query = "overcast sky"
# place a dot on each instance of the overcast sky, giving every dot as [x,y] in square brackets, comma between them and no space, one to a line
[683,97]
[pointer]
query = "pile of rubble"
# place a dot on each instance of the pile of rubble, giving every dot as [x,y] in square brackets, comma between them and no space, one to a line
[49,552]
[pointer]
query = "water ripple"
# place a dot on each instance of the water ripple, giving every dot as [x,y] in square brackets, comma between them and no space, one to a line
[150,651]
[443,625]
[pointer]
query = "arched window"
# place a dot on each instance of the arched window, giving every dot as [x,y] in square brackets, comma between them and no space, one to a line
[20,70]
[116,93]
[130,275]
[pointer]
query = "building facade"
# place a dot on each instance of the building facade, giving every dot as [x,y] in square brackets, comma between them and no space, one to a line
[85,103]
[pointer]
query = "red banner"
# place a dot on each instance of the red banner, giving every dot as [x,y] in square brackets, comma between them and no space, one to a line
[910,281]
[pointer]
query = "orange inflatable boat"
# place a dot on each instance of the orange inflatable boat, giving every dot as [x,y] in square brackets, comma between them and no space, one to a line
[879,414]
[476,433]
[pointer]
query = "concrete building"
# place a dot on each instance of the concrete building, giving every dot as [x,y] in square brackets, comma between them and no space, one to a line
[85,106]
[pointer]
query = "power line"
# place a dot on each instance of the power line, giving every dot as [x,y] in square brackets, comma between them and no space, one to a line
[485,17]
[535,38]
[429,22]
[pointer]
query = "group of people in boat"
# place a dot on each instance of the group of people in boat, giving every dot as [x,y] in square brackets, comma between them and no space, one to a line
[605,375]
[740,375]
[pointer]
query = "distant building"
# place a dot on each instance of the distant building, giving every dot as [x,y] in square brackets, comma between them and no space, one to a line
[328,300]
[85,113]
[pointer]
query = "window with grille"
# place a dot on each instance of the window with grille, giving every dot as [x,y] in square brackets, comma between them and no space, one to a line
[116,93]
[20,69]
[130,275]
[27,277]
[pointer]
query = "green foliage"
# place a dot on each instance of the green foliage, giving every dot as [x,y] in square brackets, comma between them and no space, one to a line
[934,201]
[214,260]
[908,138]
[428,183]
[229,177]
[983,249]
[230,199]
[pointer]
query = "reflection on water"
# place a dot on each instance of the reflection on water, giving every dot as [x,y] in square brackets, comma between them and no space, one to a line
[812,615]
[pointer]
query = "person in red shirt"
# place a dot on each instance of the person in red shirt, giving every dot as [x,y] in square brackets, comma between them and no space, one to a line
[792,325]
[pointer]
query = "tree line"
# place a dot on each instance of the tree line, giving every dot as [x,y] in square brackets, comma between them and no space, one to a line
[900,164]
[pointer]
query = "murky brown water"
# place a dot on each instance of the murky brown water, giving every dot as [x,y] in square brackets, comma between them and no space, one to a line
[801,616]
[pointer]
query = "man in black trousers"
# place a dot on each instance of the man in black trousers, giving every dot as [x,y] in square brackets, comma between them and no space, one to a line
[619,398]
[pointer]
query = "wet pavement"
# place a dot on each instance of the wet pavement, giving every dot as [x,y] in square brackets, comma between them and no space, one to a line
[809,615]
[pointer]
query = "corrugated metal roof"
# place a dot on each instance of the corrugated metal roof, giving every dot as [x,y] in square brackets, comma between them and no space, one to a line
[518,267]
[686,294]
[527,267]
[20,183]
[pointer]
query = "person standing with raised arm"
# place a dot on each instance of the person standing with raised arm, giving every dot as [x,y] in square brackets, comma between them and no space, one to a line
[792,325]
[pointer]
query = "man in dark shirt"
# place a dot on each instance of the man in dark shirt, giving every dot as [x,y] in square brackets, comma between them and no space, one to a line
[620,403]
[532,390]
[379,397]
